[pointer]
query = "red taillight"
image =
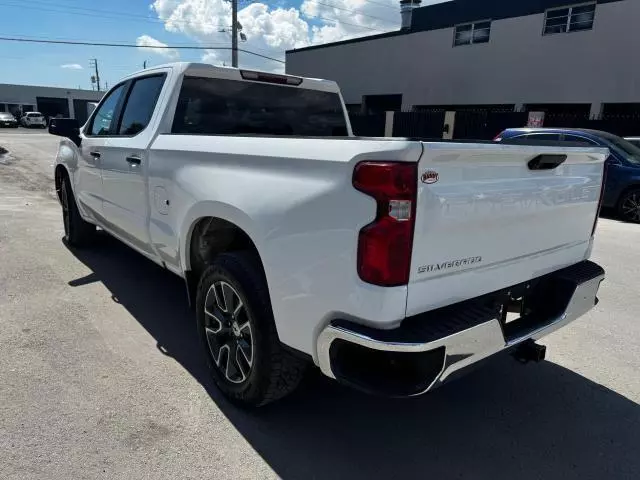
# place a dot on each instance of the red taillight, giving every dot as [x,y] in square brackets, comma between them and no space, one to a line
[384,246]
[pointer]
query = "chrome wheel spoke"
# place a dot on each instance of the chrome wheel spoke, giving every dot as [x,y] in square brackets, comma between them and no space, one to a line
[228,364]
[239,360]
[246,357]
[233,370]
[228,297]
[218,300]
[224,350]
[214,321]
[217,323]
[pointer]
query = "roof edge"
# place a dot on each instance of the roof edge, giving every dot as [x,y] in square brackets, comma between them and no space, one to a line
[393,33]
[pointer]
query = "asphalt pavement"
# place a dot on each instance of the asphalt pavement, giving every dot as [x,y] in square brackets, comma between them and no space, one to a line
[101,376]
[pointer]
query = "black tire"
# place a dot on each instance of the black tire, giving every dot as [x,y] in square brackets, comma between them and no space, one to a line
[629,206]
[77,232]
[272,372]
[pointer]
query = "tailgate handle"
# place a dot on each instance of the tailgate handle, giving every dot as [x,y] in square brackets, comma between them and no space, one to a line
[546,161]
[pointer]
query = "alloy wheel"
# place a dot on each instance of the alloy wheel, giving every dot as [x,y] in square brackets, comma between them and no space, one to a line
[631,207]
[228,332]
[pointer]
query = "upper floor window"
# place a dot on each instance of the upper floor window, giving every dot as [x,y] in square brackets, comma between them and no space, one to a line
[469,33]
[569,19]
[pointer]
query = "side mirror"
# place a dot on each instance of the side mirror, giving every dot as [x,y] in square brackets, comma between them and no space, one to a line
[65,127]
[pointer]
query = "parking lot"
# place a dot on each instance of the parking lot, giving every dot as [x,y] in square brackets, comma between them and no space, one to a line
[102,377]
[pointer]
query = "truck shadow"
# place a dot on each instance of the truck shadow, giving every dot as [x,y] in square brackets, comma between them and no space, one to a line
[503,421]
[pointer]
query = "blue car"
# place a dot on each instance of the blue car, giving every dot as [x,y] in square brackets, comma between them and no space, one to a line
[622,187]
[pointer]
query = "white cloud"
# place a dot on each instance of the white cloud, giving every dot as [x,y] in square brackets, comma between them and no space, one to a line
[150,44]
[72,66]
[271,31]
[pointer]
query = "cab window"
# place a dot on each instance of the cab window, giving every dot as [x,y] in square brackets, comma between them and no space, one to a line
[103,118]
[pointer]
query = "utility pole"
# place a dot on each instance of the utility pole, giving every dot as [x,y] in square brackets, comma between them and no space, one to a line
[144,65]
[94,63]
[234,33]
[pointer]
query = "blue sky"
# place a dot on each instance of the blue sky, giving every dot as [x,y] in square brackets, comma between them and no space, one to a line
[40,64]
[270,28]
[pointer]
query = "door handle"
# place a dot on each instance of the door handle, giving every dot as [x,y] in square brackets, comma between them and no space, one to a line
[95,154]
[134,160]
[546,162]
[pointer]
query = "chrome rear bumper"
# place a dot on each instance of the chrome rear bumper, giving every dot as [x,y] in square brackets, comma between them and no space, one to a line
[465,333]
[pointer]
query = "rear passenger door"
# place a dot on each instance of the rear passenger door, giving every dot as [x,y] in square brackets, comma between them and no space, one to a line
[124,162]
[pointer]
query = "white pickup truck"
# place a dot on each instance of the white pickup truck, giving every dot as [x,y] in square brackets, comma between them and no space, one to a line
[391,264]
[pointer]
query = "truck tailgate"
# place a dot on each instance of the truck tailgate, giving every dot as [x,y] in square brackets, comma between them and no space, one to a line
[485,220]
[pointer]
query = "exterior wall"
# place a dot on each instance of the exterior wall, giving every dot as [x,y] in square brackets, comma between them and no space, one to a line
[28,94]
[518,66]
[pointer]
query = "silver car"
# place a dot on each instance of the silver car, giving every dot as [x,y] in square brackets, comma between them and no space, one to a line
[33,119]
[7,120]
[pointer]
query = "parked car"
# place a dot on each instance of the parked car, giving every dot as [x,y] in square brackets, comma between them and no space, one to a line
[7,120]
[622,188]
[33,119]
[633,140]
[390,263]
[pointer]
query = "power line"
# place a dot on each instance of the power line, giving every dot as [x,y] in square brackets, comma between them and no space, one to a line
[132,45]
[102,14]
[334,20]
[121,15]
[353,11]
[386,5]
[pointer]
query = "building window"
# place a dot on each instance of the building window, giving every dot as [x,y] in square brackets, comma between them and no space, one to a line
[569,19]
[471,33]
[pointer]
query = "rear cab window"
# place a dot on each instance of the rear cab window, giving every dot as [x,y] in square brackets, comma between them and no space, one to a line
[212,106]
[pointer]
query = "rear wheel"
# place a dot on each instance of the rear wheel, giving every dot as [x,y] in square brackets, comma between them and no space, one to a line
[77,232]
[629,206]
[237,331]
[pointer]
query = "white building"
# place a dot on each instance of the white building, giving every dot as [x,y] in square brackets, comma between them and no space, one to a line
[496,54]
[50,101]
